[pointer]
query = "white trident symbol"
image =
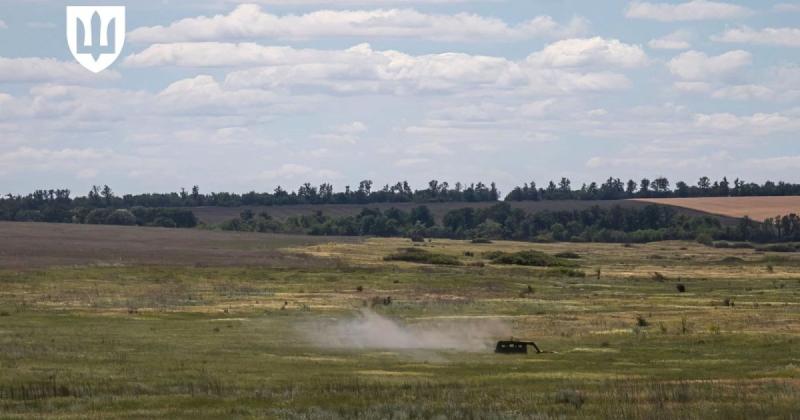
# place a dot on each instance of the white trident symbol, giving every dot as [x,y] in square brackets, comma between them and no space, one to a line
[96,35]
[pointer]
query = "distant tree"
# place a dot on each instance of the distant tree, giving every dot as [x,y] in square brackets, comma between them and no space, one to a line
[631,188]
[644,186]
[704,183]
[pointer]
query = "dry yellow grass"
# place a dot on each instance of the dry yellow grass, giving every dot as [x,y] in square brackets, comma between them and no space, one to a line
[757,208]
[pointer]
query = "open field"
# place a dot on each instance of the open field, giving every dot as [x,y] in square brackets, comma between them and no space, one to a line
[32,245]
[221,214]
[757,208]
[280,339]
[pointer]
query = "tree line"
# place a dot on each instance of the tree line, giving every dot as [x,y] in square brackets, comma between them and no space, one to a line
[99,207]
[616,224]
[48,203]
[660,187]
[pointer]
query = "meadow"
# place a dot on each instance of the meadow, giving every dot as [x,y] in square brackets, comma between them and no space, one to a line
[264,326]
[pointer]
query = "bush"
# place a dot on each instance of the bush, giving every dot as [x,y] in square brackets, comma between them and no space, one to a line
[421,256]
[568,255]
[29,216]
[681,288]
[705,239]
[565,272]
[97,216]
[778,248]
[733,245]
[121,217]
[527,258]
[164,222]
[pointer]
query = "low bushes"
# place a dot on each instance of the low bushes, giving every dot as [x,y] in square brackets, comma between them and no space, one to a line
[779,248]
[568,255]
[421,256]
[528,258]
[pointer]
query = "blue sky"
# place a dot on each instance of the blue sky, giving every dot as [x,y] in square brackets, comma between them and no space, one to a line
[241,96]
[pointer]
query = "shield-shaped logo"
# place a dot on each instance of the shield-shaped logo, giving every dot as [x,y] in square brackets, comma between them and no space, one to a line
[95,35]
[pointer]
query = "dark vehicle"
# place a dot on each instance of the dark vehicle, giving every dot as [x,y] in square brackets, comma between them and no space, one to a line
[515,347]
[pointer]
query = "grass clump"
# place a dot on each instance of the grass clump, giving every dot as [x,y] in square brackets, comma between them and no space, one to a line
[527,258]
[421,256]
[570,397]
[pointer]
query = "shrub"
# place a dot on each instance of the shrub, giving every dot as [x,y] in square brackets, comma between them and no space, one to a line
[681,288]
[98,216]
[705,239]
[778,248]
[732,260]
[642,321]
[568,255]
[565,272]
[29,216]
[164,222]
[733,245]
[527,258]
[417,237]
[121,217]
[421,256]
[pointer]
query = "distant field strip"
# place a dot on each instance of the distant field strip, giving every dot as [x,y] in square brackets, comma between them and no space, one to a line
[33,245]
[757,208]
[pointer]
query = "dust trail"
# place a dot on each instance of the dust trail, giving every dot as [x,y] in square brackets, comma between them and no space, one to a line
[372,331]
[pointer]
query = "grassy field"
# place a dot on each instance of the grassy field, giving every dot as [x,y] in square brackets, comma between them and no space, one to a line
[757,208]
[321,330]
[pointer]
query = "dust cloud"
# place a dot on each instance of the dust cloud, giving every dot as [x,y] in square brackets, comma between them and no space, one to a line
[370,330]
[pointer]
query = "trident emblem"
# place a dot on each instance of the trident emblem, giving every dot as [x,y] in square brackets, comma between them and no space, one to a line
[96,35]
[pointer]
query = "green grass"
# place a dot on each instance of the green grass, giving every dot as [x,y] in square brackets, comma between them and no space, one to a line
[230,342]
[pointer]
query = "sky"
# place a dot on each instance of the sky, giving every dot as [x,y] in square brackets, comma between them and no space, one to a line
[240,96]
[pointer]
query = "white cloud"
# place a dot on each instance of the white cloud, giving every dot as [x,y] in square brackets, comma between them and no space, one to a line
[695,65]
[80,163]
[785,37]
[34,69]
[357,2]
[786,7]
[249,21]
[744,93]
[361,69]
[204,91]
[590,51]
[678,40]
[3,24]
[758,124]
[344,134]
[693,87]
[296,173]
[689,11]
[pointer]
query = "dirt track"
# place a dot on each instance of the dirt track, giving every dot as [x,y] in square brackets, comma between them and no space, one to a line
[757,208]
[31,245]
